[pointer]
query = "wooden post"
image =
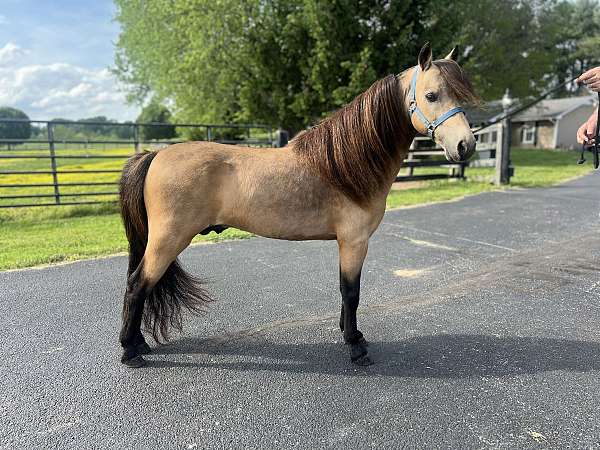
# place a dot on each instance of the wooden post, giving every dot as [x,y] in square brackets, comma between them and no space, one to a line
[282,138]
[136,137]
[410,157]
[503,169]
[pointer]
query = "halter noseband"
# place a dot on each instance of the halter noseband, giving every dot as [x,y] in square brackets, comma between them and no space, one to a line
[413,108]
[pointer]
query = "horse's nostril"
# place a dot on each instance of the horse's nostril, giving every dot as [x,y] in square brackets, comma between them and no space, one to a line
[462,148]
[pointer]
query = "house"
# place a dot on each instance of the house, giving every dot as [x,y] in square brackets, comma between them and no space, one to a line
[552,123]
[548,124]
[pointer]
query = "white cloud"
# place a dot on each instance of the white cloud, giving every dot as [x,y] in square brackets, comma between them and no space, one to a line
[59,89]
[10,52]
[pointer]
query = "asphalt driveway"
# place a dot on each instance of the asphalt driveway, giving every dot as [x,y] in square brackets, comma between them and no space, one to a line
[483,317]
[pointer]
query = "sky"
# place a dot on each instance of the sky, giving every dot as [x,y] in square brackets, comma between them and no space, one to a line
[55,57]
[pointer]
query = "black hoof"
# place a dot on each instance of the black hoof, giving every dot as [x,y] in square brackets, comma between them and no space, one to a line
[357,351]
[132,355]
[135,362]
[143,349]
[363,341]
[363,360]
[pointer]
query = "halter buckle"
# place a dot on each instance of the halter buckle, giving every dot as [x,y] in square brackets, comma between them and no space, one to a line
[430,129]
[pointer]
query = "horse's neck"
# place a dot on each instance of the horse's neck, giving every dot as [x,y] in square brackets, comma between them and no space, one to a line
[401,154]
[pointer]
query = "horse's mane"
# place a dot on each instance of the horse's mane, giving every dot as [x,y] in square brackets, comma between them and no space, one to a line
[354,148]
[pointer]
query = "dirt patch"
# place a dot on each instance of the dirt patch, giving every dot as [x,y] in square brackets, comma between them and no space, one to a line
[407,185]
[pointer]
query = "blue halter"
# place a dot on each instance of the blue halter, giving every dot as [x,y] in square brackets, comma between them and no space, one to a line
[413,108]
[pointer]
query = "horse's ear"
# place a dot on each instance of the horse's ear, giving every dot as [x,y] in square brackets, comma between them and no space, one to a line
[425,57]
[453,55]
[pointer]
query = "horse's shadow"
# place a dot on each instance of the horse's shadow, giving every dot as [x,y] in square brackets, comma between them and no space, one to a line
[437,356]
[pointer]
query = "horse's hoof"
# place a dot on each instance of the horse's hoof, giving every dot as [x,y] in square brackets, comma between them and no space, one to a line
[363,360]
[143,349]
[135,362]
[363,341]
[357,351]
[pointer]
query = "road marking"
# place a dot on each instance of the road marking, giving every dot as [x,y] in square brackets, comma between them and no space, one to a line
[410,273]
[537,437]
[421,243]
[60,427]
[437,233]
[53,350]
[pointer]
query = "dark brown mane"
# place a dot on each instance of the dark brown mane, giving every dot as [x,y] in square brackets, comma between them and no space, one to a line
[354,148]
[457,81]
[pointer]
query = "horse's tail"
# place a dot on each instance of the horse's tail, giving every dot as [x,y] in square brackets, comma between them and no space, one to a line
[176,288]
[133,208]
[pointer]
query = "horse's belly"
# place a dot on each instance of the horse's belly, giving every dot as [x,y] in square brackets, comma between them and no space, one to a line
[284,223]
[280,211]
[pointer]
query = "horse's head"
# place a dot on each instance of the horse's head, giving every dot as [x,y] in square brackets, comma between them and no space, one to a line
[436,93]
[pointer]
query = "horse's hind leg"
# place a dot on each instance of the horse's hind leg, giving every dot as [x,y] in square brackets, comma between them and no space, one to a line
[352,255]
[160,252]
[131,337]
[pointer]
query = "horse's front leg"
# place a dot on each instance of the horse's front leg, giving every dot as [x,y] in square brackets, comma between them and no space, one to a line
[352,256]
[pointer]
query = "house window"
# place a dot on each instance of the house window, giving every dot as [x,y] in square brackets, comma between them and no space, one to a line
[494,137]
[528,135]
[483,138]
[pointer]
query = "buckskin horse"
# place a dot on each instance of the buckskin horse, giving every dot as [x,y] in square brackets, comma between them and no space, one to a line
[329,182]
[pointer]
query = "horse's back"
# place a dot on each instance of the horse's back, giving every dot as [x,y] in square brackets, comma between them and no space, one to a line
[262,190]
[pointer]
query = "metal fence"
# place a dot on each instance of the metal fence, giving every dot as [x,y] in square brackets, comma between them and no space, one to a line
[75,163]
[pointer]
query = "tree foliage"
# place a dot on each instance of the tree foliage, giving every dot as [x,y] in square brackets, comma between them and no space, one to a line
[154,112]
[14,130]
[90,128]
[289,62]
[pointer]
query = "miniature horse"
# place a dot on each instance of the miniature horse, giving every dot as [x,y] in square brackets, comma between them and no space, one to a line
[330,182]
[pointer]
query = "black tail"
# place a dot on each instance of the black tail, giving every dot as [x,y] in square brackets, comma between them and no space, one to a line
[176,288]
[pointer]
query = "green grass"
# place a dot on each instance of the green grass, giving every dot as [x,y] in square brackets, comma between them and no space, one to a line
[34,236]
[533,168]
[30,237]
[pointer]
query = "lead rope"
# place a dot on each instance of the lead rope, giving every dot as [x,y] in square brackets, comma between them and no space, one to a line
[594,147]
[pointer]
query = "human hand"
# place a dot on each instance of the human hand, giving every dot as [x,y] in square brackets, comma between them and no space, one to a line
[587,131]
[591,79]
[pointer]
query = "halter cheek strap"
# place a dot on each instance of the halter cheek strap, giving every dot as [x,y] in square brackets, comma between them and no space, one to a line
[413,108]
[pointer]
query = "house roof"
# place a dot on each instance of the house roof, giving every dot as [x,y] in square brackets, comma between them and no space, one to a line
[485,113]
[544,110]
[553,108]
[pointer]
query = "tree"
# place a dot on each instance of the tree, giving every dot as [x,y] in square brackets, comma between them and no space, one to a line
[97,126]
[154,112]
[125,132]
[289,62]
[573,30]
[283,62]
[15,130]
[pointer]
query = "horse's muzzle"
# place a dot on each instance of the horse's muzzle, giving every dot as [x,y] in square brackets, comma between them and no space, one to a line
[462,152]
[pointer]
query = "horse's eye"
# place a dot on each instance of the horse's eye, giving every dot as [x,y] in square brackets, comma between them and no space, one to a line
[431,96]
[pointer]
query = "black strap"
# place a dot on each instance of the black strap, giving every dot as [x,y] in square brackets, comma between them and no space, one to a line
[594,148]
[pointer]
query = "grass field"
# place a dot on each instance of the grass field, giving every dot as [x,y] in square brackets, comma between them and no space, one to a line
[34,236]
